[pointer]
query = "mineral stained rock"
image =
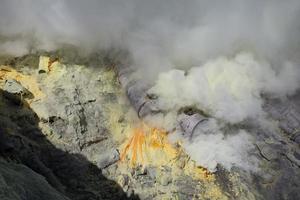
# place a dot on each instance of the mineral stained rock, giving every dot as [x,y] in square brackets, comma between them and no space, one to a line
[15,91]
[65,141]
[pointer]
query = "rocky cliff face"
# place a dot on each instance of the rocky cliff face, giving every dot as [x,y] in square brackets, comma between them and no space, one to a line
[64,127]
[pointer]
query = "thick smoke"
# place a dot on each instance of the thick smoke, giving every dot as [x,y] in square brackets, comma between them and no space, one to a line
[227,88]
[210,147]
[219,56]
[159,34]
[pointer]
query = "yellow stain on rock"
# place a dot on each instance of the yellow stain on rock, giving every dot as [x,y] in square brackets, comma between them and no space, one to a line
[148,145]
[27,81]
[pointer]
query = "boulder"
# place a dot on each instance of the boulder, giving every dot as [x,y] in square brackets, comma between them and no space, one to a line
[14,91]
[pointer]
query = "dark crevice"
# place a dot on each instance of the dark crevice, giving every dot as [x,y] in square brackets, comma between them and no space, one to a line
[261,153]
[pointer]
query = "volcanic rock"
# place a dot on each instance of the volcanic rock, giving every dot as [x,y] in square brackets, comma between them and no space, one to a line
[66,144]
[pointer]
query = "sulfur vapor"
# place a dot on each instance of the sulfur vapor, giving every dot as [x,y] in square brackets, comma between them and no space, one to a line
[220,58]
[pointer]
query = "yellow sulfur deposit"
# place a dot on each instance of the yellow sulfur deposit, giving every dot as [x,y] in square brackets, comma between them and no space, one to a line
[27,81]
[148,146]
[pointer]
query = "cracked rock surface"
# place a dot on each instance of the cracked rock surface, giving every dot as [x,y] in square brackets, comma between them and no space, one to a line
[64,140]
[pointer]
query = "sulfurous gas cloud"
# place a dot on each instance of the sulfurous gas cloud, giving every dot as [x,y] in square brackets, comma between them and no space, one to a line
[218,56]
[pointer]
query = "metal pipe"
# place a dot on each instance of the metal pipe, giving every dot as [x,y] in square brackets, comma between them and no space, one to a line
[136,90]
[191,123]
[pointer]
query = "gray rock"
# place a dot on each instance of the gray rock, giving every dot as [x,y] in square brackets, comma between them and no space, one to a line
[123,181]
[165,180]
[297,155]
[108,158]
[14,87]
[14,91]
[297,138]
[18,182]
[267,151]
[287,111]
[152,172]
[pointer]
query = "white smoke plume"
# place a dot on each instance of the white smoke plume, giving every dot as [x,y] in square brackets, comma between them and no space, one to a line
[211,147]
[227,88]
[159,34]
[219,56]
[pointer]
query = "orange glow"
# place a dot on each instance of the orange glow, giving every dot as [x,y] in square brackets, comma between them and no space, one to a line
[148,145]
[136,144]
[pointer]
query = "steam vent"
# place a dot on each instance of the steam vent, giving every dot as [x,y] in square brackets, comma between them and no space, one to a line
[143,100]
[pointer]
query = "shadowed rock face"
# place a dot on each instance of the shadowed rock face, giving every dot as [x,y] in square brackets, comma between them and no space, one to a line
[20,182]
[33,168]
[63,143]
